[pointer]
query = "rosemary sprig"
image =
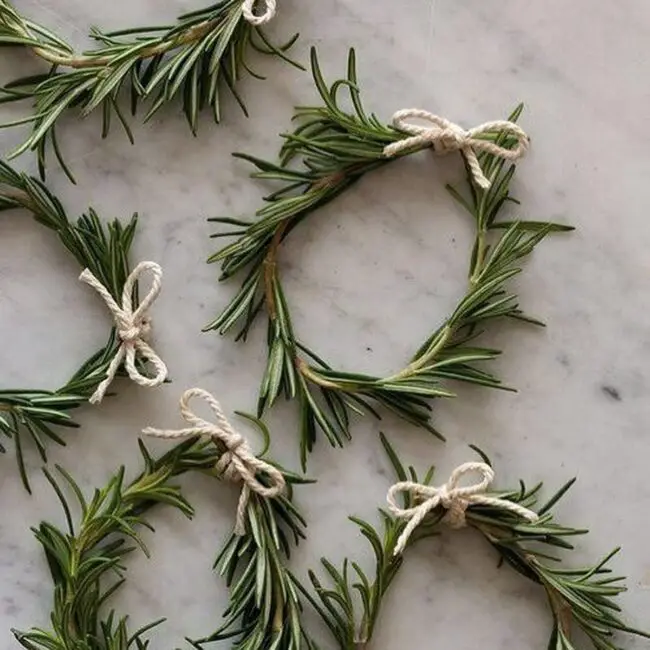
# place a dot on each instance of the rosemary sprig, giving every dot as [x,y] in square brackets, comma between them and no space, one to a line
[337,605]
[104,249]
[582,598]
[81,559]
[333,149]
[197,59]
[87,553]
[264,610]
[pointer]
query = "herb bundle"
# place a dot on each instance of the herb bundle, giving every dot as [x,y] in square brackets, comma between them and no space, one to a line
[264,610]
[337,604]
[102,248]
[204,54]
[582,598]
[333,149]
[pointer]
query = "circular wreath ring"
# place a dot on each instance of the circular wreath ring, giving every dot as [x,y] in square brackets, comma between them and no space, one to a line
[264,608]
[518,525]
[334,149]
[102,249]
[525,535]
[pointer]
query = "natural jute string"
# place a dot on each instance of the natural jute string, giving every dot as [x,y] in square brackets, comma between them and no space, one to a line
[133,329]
[238,463]
[450,496]
[253,19]
[445,136]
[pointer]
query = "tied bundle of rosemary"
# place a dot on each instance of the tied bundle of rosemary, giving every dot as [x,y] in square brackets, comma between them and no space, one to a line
[581,599]
[264,610]
[333,149]
[102,248]
[204,54]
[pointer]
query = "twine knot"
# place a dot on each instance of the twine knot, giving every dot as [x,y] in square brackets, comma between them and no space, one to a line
[238,463]
[133,327]
[450,138]
[445,136]
[455,499]
[255,20]
[140,330]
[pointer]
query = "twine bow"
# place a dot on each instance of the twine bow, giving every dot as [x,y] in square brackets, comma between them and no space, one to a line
[252,18]
[133,329]
[450,496]
[238,463]
[445,136]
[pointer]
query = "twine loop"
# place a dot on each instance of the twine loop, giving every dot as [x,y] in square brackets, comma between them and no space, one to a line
[133,325]
[238,463]
[455,499]
[445,136]
[258,20]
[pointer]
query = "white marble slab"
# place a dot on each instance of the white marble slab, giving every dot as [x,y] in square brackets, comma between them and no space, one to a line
[368,278]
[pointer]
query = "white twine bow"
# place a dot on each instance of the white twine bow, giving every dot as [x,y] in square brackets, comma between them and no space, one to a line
[252,18]
[445,136]
[450,496]
[238,463]
[133,329]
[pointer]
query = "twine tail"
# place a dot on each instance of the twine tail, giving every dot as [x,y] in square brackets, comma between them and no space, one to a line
[240,518]
[475,167]
[111,371]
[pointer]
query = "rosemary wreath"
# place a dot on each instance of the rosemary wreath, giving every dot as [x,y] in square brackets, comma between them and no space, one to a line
[196,59]
[334,149]
[264,609]
[101,248]
[582,598]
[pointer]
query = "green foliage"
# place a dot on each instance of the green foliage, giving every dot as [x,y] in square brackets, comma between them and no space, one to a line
[86,562]
[104,249]
[264,610]
[204,54]
[337,605]
[582,598]
[327,152]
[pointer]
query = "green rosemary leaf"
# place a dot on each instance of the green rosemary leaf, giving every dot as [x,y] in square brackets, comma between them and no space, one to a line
[533,226]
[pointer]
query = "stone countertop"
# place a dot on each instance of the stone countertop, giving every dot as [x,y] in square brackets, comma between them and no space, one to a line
[368,279]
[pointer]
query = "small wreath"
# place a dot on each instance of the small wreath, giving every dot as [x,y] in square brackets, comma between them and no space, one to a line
[264,611]
[336,148]
[523,533]
[102,250]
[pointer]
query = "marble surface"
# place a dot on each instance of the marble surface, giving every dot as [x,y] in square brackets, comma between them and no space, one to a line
[368,278]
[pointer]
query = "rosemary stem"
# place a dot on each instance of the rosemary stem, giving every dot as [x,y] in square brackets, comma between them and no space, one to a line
[560,609]
[438,343]
[305,370]
[480,257]
[194,33]
[270,269]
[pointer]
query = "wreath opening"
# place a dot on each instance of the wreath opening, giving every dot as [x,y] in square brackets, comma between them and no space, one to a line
[350,274]
[103,250]
[324,156]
